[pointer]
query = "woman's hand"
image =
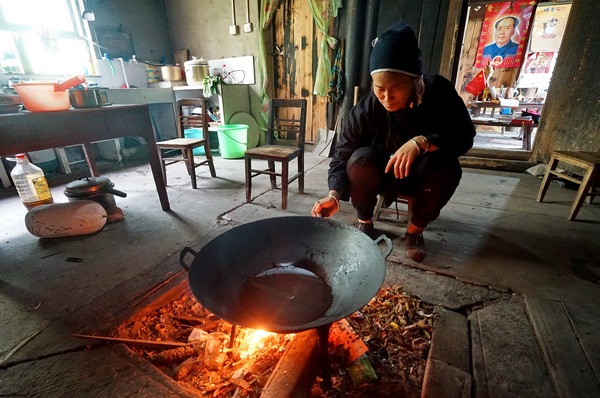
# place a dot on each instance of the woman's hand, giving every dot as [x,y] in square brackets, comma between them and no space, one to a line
[402,159]
[326,207]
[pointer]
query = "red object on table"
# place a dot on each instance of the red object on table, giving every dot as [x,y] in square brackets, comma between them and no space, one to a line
[476,85]
[521,122]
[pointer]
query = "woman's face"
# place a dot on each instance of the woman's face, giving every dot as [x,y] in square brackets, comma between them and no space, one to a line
[393,89]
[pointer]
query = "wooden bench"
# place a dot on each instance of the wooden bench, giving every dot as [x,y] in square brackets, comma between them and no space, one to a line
[589,162]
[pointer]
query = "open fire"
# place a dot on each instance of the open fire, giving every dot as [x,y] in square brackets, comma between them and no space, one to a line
[213,364]
[255,341]
[395,327]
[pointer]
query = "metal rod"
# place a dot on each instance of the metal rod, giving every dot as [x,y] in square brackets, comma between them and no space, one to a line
[323,332]
[155,288]
[232,335]
[233,12]
[247,11]
[166,344]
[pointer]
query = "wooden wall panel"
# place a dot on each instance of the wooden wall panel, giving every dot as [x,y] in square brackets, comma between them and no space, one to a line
[429,19]
[298,37]
[295,32]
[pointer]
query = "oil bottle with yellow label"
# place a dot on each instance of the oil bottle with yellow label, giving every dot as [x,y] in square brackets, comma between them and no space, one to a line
[31,183]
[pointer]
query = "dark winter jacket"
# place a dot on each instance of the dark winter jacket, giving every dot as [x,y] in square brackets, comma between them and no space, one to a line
[441,117]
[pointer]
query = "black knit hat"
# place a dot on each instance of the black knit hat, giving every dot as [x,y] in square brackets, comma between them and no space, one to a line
[396,50]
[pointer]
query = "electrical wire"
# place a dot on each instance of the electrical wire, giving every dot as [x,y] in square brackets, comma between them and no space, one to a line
[233,80]
[112,68]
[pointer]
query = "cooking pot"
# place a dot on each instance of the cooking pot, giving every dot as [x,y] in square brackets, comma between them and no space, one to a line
[88,98]
[195,71]
[170,73]
[287,274]
[98,189]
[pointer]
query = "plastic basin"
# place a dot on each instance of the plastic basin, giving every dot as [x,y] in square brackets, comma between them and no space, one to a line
[41,97]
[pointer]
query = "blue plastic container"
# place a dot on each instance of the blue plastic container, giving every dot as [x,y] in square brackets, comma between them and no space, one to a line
[197,133]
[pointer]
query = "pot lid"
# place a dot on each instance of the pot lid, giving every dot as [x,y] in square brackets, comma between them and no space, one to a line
[87,186]
[196,61]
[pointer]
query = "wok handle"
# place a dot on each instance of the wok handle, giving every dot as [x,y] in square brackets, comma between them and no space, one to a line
[388,241]
[183,253]
[116,192]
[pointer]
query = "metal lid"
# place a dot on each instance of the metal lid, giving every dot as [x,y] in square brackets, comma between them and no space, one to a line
[196,61]
[88,186]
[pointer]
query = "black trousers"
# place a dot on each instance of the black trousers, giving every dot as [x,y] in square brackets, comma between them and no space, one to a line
[432,181]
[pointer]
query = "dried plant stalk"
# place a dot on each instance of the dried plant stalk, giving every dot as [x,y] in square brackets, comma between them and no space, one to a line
[168,357]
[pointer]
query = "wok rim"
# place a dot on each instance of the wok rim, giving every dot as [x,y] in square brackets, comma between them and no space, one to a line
[376,273]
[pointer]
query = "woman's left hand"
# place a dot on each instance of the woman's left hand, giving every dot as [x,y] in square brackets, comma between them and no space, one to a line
[402,159]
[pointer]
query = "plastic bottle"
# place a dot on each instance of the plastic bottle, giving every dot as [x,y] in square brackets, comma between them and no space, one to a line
[31,183]
[224,73]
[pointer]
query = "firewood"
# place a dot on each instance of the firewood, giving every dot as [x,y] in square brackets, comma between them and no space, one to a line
[186,368]
[171,356]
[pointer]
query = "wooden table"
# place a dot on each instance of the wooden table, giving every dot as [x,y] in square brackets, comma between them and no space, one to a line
[526,129]
[478,106]
[32,131]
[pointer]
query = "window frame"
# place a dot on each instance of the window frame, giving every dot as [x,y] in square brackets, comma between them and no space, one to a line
[80,32]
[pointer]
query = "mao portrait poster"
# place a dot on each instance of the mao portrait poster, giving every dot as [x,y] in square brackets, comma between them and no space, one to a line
[504,34]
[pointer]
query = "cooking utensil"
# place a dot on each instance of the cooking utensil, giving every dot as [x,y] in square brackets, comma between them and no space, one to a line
[98,189]
[70,82]
[170,73]
[9,103]
[287,274]
[88,98]
[47,96]
[196,70]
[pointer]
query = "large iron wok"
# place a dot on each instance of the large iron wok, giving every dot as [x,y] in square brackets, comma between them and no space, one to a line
[287,274]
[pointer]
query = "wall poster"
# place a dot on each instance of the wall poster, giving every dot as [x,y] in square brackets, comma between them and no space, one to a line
[549,26]
[539,62]
[504,34]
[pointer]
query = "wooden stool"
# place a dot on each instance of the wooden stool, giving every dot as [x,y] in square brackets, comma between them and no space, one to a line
[404,199]
[589,162]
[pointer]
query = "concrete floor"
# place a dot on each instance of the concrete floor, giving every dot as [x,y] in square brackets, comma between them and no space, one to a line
[517,283]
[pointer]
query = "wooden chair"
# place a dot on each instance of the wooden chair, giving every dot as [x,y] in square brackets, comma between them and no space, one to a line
[186,146]
[403,199]
[589,162]
[286,124]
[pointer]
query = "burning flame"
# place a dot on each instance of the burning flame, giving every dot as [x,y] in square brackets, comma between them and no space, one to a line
[255,341]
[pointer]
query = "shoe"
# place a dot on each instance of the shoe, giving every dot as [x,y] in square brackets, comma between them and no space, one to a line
[412,240]
[364,227]
[414,244]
